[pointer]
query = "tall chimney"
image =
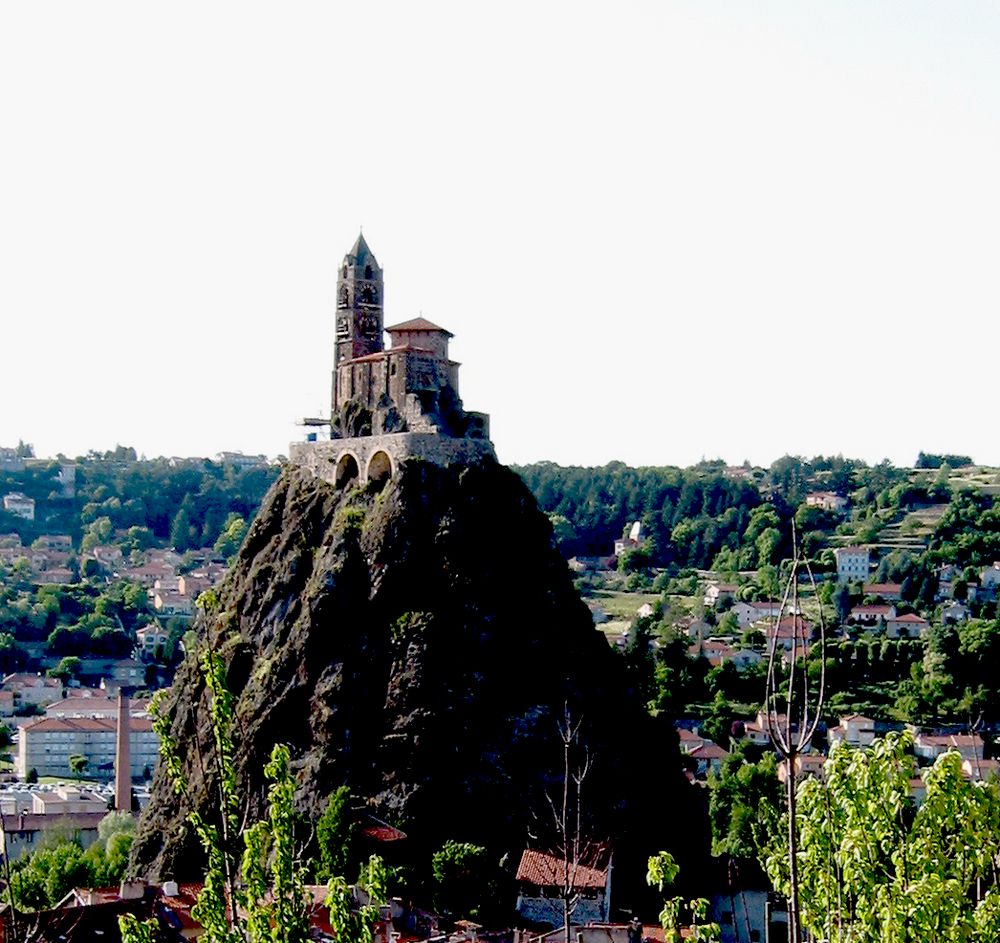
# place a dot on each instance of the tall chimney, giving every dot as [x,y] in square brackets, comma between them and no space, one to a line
[123,761]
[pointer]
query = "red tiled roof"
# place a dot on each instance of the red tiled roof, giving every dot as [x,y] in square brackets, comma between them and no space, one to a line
[39,821]
[546,870]
[909,617]
[382,354]
[956,740]
[709,751]
[93,724]
[380,832]
[790,626]
[418,324]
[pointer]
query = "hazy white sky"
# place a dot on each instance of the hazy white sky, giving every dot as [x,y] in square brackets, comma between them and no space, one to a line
[659,231]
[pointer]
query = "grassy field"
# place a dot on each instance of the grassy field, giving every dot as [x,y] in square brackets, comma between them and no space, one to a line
[619,605]
[621,609]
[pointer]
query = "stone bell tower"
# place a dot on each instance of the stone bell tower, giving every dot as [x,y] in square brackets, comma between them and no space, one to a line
[359,308]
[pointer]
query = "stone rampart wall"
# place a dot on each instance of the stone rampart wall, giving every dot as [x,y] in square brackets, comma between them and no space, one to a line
[330,460]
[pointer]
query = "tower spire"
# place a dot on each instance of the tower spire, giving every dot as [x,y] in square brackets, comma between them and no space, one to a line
[359,310]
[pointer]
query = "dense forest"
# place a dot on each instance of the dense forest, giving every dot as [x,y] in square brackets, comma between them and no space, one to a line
[923,524]
[184,503]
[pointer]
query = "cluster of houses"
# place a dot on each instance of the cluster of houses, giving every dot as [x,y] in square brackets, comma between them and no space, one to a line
[51,560]
[170,592]
[881,614]
[87,914]
[703,756]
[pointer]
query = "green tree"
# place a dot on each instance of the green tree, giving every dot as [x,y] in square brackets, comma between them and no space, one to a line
[842,602]
[67,669]
[717,725]
[231,538]
[661,872]
[335,835]
[182,529]
[256,895]
[874,868]
[460,878]
[98,532]
[78,764]
[42,879]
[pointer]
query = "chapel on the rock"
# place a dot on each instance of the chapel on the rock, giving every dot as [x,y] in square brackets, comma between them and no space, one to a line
[388,404]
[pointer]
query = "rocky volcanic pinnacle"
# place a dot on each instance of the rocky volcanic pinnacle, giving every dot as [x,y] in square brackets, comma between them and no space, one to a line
[417,644]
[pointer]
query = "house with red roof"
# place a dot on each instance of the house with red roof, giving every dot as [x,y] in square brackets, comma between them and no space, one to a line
[929,746]
[909,625]
[709,757]
[789,631]
[871,616]
[540,880]
[890,592]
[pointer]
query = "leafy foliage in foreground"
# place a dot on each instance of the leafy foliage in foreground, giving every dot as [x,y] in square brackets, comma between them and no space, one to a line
[873,868]
[255,885]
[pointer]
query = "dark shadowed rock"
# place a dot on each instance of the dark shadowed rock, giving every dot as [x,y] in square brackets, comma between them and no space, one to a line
[417,644]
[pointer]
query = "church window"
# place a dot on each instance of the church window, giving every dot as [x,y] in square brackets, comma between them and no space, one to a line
[368,271]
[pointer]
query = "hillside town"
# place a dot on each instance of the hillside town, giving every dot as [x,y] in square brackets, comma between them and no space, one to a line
[95,622]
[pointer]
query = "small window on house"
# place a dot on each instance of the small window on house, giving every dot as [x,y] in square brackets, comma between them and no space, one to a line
[392,370]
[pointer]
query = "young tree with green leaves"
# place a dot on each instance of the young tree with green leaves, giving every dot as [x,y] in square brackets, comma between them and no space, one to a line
[874,866]
[661,872]
[254,887]
[78,764]
[334,835]
[460,878]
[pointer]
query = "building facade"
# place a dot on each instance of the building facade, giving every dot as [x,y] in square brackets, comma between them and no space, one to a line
[852,564]
[46,744]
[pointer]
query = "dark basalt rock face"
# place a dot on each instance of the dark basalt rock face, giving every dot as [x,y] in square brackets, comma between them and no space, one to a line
[419,645]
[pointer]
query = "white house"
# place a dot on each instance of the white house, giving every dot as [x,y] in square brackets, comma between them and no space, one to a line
[631,541]
[25,832]
[33,689]
[747,613]
[716,592]
[954,613]
[989,578]
[709,757]
[890,592]
[20,505]
[150,637]
[826,500]
[852,564]
[871,615]
[855,730]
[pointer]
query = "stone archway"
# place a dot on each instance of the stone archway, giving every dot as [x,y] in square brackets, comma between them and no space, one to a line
[347,470]
[379,469]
